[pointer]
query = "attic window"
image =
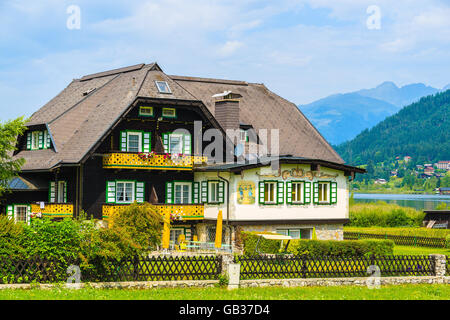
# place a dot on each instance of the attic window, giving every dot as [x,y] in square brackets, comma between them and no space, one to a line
[163,87]
[146,111]
[169,113]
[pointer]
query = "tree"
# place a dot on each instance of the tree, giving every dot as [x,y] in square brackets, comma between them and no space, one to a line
[9,131]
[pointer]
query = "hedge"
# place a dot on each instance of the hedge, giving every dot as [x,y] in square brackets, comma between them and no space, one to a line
[341,248]
[317,247]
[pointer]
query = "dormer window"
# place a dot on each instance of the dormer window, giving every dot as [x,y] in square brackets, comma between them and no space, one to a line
[169,113]
[146,111]
[38,140]
[163,87]
[243,136]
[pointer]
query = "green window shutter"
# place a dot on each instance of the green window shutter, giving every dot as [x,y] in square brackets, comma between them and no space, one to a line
[52,192]
[280,192]
[333,192]
[169,192]
[123,141]
[187,144]
[315,192]
[65,192]
[165,138]
[41,140]
[111,192]
[29,141]
[261,192]
[196,192]
[188,234]
[10,212]
[48,140]
[221,195]
[204,192]
[307,195]
[146,142]
[44,141]
[28,213]
[289,192]
[140,192]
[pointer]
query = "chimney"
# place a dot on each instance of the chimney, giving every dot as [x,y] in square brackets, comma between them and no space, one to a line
[227,110]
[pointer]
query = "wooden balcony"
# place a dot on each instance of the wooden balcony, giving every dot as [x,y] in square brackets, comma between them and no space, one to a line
[54,210]
[124,160]
[180,212]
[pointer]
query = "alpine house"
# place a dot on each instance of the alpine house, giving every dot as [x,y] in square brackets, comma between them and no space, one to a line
[112,138]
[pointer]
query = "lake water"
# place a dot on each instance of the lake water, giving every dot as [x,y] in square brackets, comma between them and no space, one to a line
[417,201]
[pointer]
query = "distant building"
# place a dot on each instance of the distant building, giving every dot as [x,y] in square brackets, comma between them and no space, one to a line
[393,173]
[428,165]
[407,158]
[443,165]
[428,170]
[419,167]
[438,218]
[380,181]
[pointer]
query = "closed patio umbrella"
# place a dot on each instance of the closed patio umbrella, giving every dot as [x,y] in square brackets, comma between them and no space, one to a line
[218,243]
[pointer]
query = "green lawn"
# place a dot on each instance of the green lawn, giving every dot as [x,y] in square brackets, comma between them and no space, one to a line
[408,250]
[400,292]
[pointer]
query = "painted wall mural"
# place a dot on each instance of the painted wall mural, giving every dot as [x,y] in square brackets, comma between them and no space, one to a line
[246,192]
[298,173]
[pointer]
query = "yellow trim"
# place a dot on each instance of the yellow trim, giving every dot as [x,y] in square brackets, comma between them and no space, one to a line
[186,212]
[157,162]
[54,210]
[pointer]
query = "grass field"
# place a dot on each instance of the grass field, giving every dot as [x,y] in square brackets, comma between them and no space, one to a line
[408,250]
[407,231]
[399,292]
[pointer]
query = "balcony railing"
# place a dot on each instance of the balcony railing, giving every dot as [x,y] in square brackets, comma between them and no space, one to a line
[123,160]
[54,210]
[180,212]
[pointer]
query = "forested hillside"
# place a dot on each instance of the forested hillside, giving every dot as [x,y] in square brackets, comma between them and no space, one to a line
[420,130]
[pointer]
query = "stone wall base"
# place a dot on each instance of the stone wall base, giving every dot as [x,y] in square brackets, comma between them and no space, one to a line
[327,282]
[243,283]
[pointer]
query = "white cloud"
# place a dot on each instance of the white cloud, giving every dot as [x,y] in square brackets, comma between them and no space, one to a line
[229,48]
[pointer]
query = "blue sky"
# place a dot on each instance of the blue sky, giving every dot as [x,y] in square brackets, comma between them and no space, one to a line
[301,49]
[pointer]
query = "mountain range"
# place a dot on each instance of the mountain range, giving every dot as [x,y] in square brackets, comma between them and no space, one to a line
[420,130]
[340,117]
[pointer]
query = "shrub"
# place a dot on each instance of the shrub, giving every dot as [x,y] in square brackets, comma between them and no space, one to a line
[341,248]
[250,239]
[142,223]
[51,239]
[317,247]
[447,241]
[10,232]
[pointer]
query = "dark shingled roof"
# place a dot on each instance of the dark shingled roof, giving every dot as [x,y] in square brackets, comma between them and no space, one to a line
[84,111]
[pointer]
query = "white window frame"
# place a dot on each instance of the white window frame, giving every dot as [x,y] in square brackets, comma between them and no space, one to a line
[302,192]
[173,135]
[15,212]
[213,185]
[289,231]
[274,192]
[61,188]
[35,140]
[328,193]
[189,185]
[133,191]
[135,133]
[174,239]
[243,134]
[157,83]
